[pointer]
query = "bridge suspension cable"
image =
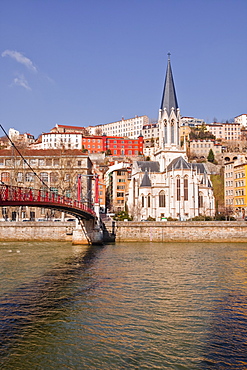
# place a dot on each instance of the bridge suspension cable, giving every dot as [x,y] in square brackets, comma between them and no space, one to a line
[25,161]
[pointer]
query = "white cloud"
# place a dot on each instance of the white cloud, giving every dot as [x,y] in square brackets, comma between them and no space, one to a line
[21,81]
[20,58]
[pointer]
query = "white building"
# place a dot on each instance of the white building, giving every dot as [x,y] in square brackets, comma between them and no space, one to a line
[169,186]
[66,140]
[131,127]
[242,120]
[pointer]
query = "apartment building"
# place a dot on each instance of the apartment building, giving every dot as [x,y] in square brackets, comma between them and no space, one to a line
[131,127]
[229,184]
[117,182]
[56,140]
[59,170]
[150,130]
[241,119]
[240,187]
[201,148]
[225,131]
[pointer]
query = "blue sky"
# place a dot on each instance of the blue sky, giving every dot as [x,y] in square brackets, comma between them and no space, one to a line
[80,62]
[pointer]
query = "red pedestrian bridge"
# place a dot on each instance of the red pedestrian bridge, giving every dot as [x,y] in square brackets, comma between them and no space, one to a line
[14,196]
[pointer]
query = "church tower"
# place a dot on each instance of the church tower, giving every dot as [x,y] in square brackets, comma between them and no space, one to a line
[169,114]
[169,123]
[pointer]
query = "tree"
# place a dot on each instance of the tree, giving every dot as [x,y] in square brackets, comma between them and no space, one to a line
[211,156]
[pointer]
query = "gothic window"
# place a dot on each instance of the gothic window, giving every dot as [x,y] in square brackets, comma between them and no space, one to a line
[162,199]
[143,201]
[186,190]
[149,200]
[200,200]
[172,131]
[165,131]
[178,188]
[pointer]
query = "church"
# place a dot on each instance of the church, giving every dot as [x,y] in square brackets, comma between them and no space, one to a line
[168,186]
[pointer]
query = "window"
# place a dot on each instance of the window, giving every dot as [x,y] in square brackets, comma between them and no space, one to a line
[143,201]
[79,163]
[29,177]
[44,176]
[178,188]
[33,162]
[162,199]
[53,177]
[200,200]
[5,177]
[56,162]
[41,162]
[149,200]
[186,192]
[19,177]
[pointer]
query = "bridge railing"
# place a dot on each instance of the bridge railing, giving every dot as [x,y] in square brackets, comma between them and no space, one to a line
[10,193]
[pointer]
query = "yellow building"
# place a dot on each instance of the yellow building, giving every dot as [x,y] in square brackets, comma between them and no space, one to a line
[240,188]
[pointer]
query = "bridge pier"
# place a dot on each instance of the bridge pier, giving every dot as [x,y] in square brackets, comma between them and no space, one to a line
[87,232]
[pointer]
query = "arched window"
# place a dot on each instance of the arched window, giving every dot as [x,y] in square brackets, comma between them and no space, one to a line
[53,177]
[200,200]
[44,176]
[162,199]
[186,189]
[29,177]
[149,200]
[5,177]
[143,201]
[178,188]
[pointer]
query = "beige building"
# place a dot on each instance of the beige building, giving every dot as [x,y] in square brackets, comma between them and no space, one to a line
[229,184]
[58,169]
[225,131]
[131,127]
[201,148]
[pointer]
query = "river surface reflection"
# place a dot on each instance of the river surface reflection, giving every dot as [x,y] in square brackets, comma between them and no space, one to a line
[123,306]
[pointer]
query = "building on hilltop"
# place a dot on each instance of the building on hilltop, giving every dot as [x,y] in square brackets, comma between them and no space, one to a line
[131,127]
[242,119]
[168,185]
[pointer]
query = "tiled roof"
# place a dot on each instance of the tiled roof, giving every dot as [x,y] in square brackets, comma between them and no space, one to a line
[146,182]
[149,166]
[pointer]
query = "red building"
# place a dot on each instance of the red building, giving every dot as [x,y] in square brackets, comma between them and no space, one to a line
[117,146]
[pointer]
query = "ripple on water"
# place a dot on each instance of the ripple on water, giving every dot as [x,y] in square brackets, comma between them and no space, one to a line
[146,306]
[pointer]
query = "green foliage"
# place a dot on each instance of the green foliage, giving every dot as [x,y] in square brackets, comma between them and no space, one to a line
[218,188]
[200,132]
[150,218]
[108,152]
[210,156]
[123,215]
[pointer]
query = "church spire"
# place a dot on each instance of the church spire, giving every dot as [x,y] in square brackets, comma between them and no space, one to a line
[169,99]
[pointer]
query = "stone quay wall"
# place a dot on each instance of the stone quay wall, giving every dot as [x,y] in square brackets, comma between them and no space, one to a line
[175,231]
[36,231]
[213,231]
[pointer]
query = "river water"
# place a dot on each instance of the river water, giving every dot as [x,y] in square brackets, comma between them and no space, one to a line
[123,306]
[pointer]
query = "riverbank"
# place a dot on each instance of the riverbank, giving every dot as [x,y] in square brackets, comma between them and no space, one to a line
[171,231]
[175,231]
